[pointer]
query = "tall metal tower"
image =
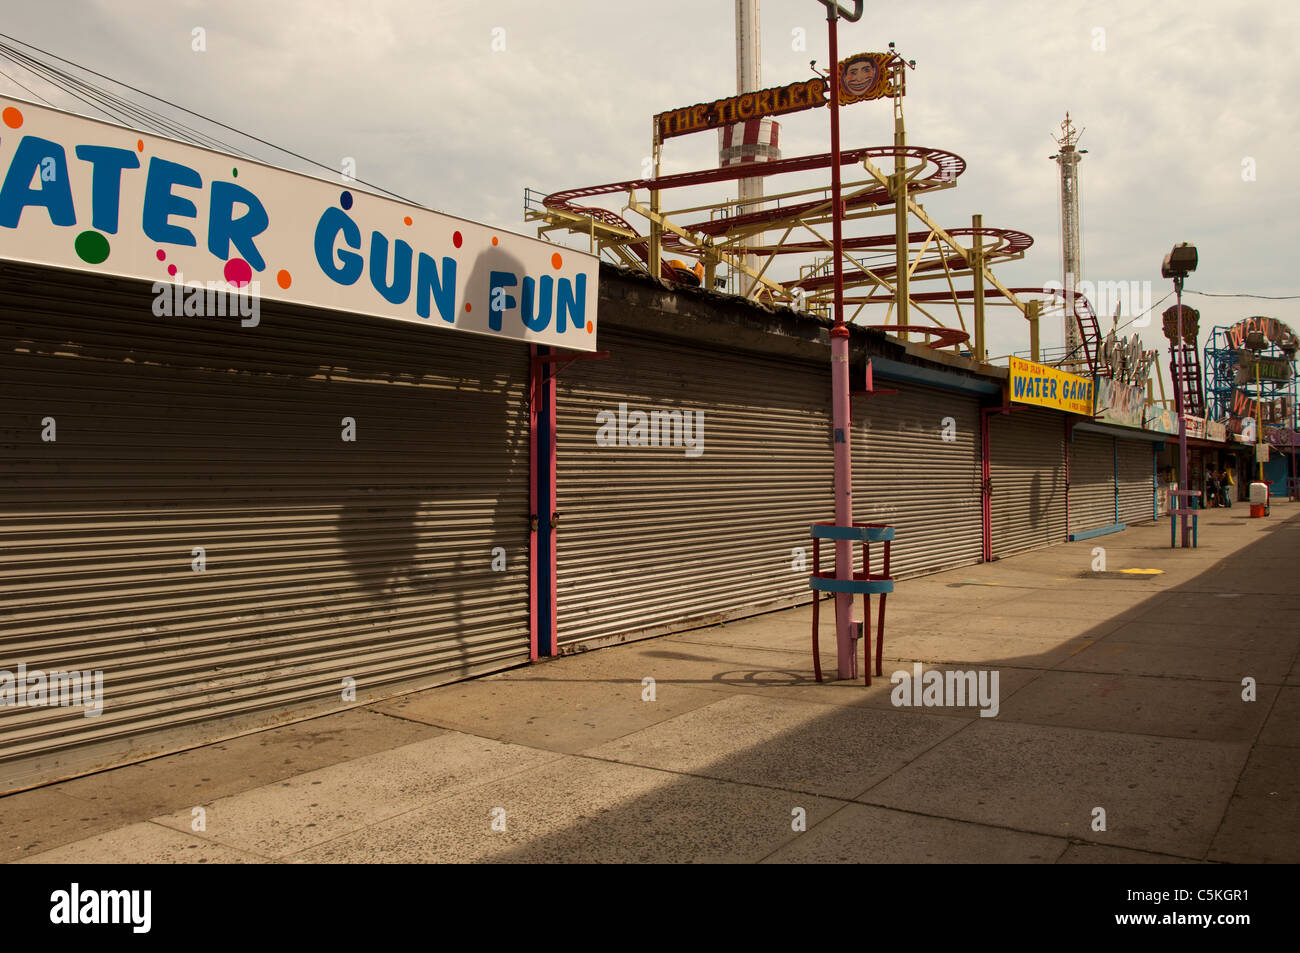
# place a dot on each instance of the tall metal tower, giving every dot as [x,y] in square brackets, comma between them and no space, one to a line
[756,139]
[1071,250]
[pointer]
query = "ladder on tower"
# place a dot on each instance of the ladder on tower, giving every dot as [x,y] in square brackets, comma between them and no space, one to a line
[1187,380]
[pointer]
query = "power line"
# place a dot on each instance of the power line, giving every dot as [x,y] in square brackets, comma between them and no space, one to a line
[1228,294]
[215,122]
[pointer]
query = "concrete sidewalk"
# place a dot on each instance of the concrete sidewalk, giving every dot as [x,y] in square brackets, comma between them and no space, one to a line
[1117,692]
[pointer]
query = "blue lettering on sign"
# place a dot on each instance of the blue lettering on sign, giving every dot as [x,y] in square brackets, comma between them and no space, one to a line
[160,203]
[571,303]
[225,230]
[54,195]
[542,318]
[106,166]
[498,300]
[400,289]
[442,289]
[349,265]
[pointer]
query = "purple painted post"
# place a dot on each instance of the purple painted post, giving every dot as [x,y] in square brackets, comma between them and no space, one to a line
[847,655]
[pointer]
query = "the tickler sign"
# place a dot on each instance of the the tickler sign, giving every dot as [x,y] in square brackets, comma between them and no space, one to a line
[79,193]
[863,77]
[1032,383]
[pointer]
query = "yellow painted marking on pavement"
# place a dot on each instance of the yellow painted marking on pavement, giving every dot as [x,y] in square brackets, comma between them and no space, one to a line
[1144,572]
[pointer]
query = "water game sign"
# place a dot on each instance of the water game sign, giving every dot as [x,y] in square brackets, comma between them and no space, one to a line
[84,194]
[1045,386]
[863,76]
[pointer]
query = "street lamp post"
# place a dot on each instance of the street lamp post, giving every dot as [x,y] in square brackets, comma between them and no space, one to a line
[846,651]
[1178,264]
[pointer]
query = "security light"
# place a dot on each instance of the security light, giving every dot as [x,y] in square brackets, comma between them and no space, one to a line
[1180,262]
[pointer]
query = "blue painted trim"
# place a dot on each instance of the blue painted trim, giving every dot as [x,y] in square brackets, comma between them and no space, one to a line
[1090,533]
[899,371]
[855,586]
[857,534]
[545,506]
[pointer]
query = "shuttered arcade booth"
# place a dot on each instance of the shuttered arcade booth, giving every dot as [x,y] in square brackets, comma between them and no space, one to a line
[1112,478]
[1137,477]
[135,445]
[916,467]
[1027,471]
[687,476]
[1094,501]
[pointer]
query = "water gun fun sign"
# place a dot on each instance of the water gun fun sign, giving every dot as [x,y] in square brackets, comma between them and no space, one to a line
[93,196]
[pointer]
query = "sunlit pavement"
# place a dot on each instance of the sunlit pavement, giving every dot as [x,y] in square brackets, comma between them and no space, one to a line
[1118,733]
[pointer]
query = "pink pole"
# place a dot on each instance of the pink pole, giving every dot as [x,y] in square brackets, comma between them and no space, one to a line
[846,650]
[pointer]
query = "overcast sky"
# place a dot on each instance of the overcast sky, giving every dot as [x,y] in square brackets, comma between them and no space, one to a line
[1178,100]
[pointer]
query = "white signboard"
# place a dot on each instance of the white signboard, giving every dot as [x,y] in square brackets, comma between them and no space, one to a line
[79,193]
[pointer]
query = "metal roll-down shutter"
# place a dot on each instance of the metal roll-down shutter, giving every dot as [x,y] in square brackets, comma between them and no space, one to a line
[1027,468]
[916,467]
[326,560]
[1136,481]
[1092,481]
[652,539]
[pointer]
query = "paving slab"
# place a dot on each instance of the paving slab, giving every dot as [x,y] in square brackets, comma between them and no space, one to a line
[821,749]
[1213,662]
[1277,641]
[144,843]
[548,706]
[579,810]
[1175,708]
[310,808]
[37,820]
[1160,794]
[201,775]
[1283,724]
[861,834]
[1101,854]
[1262,823]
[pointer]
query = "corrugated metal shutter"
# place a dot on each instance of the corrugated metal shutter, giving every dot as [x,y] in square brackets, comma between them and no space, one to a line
[1136,481]
[906,474]
[650,539]
[325,559]
[1027,467]
[1092,481]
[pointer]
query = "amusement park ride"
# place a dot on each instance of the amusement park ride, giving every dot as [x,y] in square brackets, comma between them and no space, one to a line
[820,273]
[724,244]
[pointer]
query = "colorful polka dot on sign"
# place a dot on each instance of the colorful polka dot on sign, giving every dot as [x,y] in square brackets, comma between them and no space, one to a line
[494,240]
[91,247]
[345,200]
[171,269]
[407,220]
[456,239]
[468,307]
[234,173]
[13,118]
[556,260]
[591,327]
[139,145]
[238,272]
[283,278]
[162,255]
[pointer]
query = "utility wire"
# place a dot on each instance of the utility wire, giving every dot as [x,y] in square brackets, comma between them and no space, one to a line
[1227,294]
[215,122]
[27,88]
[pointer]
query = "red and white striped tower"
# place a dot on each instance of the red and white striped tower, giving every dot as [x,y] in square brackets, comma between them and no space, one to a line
[754,140]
